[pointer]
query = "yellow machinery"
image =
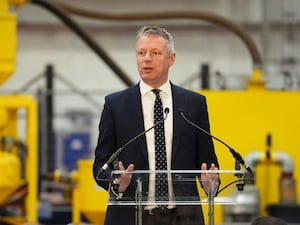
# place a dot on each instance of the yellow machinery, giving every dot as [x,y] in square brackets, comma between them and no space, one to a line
[7,42]
[88,199]
[244,119]
[18,182]
[18,159]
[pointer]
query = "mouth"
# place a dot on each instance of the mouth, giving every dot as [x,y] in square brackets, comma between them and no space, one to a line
[147,69]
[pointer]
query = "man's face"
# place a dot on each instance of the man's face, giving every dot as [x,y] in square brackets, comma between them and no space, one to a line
[153,60]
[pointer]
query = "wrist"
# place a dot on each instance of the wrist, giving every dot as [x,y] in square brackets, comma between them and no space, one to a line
[114,189]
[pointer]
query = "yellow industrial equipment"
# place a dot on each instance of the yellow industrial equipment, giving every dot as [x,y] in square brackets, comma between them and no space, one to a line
[8,39]
[19,175]
[18,159]
[88,199]
[7,42]
[11,175]
[244,119]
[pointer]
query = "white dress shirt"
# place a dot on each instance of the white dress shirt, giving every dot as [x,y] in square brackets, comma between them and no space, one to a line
[148,98]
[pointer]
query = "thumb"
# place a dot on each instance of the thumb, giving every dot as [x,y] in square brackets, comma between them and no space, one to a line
[130,167]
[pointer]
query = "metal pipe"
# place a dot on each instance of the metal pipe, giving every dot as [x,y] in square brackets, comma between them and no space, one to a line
[49,74]
[287,184]
[215,19]
[281,158]
[85,37]
[285,161]
[253,158]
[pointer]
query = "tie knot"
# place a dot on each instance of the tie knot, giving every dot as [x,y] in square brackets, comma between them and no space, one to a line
[156,91]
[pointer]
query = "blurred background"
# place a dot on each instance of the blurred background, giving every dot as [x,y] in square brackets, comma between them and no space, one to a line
[58,59]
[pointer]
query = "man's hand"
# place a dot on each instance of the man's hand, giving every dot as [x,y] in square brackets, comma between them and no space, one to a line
[125,178]
[209,178]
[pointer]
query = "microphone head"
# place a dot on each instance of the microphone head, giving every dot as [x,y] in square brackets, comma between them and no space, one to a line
[180,111]
[167,110]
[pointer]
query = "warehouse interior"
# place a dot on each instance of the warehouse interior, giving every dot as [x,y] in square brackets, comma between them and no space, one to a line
[59,59]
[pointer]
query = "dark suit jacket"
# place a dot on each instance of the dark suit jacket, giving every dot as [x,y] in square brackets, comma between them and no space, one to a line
[122,119]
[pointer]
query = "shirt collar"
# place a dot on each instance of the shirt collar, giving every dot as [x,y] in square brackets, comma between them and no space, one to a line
[145,88]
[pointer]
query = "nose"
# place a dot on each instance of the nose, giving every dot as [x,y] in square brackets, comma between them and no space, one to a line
[147,56]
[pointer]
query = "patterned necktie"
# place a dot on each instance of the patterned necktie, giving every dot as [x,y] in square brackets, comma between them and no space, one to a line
[161,184]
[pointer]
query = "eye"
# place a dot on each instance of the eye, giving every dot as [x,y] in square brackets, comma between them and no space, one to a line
[156,53]
[141,53]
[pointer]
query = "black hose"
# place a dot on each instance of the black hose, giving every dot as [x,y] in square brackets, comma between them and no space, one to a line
[85,37]
[215,19]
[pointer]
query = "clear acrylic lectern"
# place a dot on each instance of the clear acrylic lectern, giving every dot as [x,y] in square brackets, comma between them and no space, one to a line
[186,185]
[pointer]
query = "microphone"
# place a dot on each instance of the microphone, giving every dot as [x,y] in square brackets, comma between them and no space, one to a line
[114,156]
[235,154]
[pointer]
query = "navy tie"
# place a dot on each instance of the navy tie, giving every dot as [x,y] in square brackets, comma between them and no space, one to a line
[161,184]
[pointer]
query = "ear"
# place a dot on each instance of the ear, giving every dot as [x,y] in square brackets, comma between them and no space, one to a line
[172,58]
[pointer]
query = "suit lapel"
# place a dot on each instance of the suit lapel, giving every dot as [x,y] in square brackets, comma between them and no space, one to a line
[178,103]
[135,110]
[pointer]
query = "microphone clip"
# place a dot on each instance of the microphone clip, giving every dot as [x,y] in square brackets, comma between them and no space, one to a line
[241,180]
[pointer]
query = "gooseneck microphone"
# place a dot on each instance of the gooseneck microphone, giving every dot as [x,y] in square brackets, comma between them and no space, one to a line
[115,155]
[235,154]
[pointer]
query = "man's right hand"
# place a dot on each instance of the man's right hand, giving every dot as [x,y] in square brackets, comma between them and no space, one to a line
[125,178]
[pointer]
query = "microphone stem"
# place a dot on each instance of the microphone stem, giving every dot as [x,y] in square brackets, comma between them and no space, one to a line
[115,155]
[235,154]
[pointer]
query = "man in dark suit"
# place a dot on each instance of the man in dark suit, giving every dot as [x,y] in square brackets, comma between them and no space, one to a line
[130,112]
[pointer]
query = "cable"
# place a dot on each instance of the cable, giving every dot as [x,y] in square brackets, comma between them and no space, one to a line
[86,38]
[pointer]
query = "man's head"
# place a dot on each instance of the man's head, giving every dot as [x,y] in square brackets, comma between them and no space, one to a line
[155,54]
[156,31]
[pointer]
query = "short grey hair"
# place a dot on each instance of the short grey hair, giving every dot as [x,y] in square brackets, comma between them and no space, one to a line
[159,32]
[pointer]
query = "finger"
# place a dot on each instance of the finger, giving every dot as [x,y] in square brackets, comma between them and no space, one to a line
[204,166]
[212,166]
[130,167]
[121,166]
